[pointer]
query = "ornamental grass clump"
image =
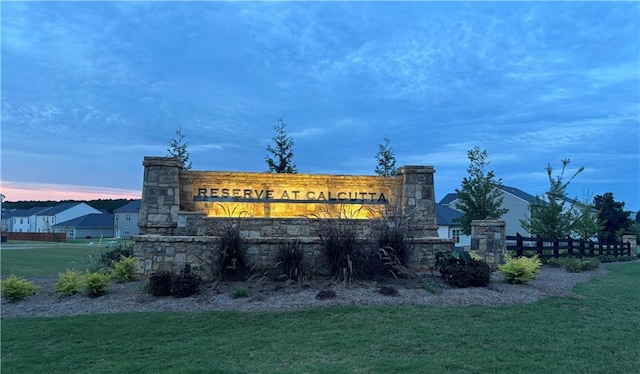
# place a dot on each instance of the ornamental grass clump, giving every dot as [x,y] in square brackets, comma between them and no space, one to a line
[69,283]
[520,269]
[289,259]
[15,288]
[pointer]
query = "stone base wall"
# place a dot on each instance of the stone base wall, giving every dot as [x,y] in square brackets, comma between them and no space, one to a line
[172,253]
[196,224]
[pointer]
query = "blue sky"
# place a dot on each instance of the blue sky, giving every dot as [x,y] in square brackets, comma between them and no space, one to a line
[90,88]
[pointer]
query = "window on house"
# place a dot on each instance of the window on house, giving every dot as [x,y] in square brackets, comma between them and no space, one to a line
[21,221]
[27,220]
[70,233]
[128,217]
[455,234]
[126,231]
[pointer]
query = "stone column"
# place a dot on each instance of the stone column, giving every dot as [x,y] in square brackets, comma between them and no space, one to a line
[160,196]
[488,239]
[633,241]
[417,199]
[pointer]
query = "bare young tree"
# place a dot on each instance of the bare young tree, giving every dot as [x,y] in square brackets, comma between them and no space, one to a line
[552,218]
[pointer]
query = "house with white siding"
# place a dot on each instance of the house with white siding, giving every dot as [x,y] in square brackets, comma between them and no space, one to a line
[516,200]
[449,227]
[126,219]
[19,220]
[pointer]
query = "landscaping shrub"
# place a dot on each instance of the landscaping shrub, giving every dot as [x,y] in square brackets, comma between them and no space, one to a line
[105,260]
[125,269]
[577,265]
[607,258]
[625,258]
[185,285]
[520,269]
[239,293]
[326,294]
[388,291]
[165,283]
[15,288]
[476,273]
[459,269]
[289,259]
[95,283]
[160,283]
[69,283]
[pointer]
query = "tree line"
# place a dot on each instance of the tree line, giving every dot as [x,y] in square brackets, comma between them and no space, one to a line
[552,215]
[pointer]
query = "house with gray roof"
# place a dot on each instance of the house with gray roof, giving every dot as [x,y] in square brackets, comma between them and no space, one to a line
[44,220]
[514,199]
[19,220]
[126,218]
[449,227]
[93,225]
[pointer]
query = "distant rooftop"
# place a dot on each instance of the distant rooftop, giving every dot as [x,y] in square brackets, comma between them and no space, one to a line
[131,207]
[93,220]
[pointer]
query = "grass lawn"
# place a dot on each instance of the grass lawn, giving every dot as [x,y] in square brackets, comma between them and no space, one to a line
[45,259]
[598,334]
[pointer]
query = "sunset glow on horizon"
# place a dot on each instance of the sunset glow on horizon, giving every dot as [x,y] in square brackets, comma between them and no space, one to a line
[29,191]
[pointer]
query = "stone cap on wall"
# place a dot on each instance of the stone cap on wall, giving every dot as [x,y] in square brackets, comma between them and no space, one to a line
[419,169]
[162,161]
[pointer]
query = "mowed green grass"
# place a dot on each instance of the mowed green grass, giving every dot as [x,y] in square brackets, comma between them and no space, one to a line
[597,334]
[44,259]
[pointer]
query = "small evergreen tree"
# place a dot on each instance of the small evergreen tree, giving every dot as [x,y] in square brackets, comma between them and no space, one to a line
[281,160]
[178,148]
[587,223]
[386,159]
[616,219]
[480,196]
[552,218]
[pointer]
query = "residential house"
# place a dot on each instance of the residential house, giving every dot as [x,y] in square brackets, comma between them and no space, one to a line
[126,219]
[19,220]
[44,220]
[94,225]
[516,200]
[449,227]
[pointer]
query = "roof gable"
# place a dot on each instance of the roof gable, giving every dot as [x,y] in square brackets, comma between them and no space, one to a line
[92,220]
[58,208]
[131,207]
[447,216]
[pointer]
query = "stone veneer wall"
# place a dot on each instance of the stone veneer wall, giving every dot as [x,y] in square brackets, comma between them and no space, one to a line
[174,229]
[488,239]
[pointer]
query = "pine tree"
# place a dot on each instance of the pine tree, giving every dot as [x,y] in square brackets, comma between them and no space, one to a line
[481,195]
[178,148]
[553,218]
[386,159]
[281,160]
